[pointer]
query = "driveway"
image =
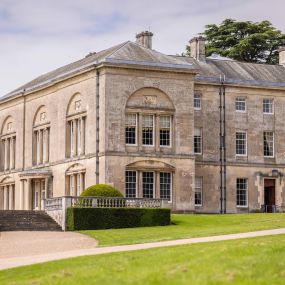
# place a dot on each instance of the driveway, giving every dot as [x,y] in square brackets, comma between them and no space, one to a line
[20,244]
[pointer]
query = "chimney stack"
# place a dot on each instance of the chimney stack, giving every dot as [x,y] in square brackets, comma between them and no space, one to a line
[144,39]
[282,55]
[197,46]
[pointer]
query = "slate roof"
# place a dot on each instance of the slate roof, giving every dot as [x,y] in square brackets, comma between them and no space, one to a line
[125,53]
[129,53]
[241,73]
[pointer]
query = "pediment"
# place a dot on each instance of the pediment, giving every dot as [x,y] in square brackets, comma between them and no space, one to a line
[150,165]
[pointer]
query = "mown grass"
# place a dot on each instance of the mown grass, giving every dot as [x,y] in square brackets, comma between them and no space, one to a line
[244,261]
[187,226]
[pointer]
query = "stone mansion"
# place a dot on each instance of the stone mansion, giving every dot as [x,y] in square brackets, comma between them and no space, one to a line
[207,134]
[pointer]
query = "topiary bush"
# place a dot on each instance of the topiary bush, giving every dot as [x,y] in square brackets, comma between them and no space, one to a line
[101,190]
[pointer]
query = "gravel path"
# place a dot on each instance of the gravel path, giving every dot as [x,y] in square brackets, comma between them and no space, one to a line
[25,248]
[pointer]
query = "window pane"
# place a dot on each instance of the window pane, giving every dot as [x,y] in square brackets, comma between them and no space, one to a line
[198,140]
[164,135]
[268,106]
[240,104]
[147,130]
[197,101]
[241,143]
[268,144]
[148,184]
[131,184]
[165,185]
[198,190]
[131,124]
[241,188]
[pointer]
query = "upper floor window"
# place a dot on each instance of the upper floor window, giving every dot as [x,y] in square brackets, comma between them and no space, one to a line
[148,130]
[241,192]
[241,143]
[197,102]
[41,137]
[198,140]
[268,144]
[164,132]
[76,124]
[198,190]
[8,145]
[131,129]
[268,106]
[240,104]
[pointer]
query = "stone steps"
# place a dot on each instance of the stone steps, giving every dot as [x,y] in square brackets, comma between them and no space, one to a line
[22,220]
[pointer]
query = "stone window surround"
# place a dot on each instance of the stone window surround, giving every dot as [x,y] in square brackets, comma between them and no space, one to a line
[41,149]
[156,113]
[246,192]
[243,132]
[72,177]
[8,141]
[156,189]
[79,117]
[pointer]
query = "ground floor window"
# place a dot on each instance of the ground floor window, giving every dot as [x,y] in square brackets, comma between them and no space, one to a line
[241,192]
[131,184]
[76,182]
[165,185]
[149,181]
[8,197]
[198,190]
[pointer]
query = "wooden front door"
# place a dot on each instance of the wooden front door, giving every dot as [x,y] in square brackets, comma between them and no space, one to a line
[269,195]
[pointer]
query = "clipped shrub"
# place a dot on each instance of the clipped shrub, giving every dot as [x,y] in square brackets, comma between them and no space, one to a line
[101,190]
[114,218]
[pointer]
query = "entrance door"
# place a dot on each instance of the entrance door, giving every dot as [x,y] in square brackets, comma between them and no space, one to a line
[269,195]
[38,187]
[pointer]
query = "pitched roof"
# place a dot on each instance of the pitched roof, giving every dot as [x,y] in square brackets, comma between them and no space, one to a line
[241,73]
[127,53]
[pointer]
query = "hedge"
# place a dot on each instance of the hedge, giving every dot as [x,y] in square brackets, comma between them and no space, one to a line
[101,190]
[114,218]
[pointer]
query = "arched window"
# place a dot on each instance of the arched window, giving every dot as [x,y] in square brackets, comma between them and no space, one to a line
[75,129]
[41,137]
[75,179]
[149,119]
[8,144]
[7,191]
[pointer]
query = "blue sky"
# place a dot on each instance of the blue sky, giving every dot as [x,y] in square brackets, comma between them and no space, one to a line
[37,36]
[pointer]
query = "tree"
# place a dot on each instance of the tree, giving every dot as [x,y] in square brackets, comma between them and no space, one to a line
[244,41]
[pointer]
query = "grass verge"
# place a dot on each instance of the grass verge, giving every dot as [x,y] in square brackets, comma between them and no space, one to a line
[187,226]
[246,261]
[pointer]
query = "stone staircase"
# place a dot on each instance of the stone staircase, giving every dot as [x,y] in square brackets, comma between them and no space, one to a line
[22,220]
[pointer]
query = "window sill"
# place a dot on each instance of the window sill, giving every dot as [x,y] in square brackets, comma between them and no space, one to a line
[242,207]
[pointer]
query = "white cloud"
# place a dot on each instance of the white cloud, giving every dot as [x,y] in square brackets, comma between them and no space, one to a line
[38,36]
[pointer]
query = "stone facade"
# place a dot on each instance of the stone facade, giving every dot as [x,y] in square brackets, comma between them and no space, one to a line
[62,134]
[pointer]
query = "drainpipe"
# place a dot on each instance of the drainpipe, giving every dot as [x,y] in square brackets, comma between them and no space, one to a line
[97,125]
[24,130]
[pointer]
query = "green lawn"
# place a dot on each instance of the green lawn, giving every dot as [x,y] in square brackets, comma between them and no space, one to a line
[246,261]
[187,226]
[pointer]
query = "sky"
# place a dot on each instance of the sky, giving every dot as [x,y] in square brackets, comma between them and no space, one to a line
[37,36]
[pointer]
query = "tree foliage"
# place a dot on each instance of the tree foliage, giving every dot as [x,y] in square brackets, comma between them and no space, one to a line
[244,41]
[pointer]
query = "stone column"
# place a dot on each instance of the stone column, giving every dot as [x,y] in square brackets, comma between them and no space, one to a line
[6,153]
[46,188]
[47,145]
[82,182]
[157,185]
[156,129]
[11,197]
[28,191]
[38,147]
[11,147]
[82,122]
[6,194]
[21,206]
[41,146]
[74,185]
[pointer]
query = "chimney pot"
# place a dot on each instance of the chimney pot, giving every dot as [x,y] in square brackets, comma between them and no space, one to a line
[197,46]
[144,39]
